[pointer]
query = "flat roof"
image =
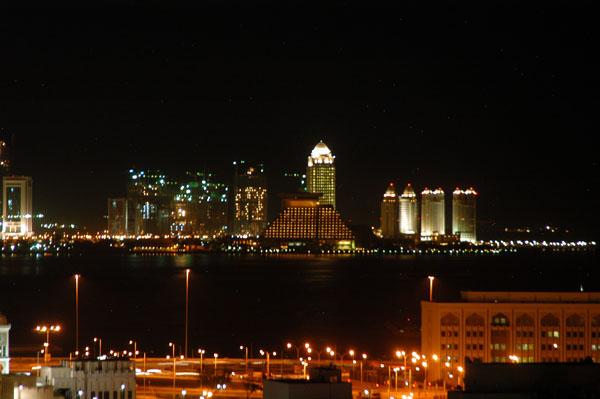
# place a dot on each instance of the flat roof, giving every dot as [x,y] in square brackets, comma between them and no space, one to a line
[529,296]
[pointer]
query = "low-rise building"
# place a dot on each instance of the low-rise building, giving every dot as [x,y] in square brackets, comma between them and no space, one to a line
[323,383]
[503,327]
[91,379]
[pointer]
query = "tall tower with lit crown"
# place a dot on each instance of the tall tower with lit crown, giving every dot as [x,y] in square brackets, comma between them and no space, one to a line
[320,174]
[433,222]
[409,211]
[389,213]
[463,214]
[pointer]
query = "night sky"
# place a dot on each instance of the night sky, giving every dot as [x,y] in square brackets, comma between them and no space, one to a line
[503,99]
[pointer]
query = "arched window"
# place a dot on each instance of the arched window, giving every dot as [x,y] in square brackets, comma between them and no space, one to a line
[500,320]
[550,330]
[525,321]
[450,320]
[450,325]
[474,320]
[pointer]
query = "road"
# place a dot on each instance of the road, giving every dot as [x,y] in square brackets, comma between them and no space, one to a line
[155,377]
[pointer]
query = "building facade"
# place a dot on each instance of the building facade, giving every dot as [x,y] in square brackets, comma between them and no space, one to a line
[433,219]
[390,212]
[303,222]
[92,378]
[250,199]
[320,174]
[464,214]
[17,206]
[409,211]
[4,345]
[501,327]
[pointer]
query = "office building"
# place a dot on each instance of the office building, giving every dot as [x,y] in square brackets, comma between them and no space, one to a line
[4,345]
[320,174]
[463,214]
[409,211]
[117,216]
[500,327]
[390,213]
[304,222]
[17,207]
[433,222]
[250,199]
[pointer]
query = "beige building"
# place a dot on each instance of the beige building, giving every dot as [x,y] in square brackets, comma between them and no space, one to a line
[501,327]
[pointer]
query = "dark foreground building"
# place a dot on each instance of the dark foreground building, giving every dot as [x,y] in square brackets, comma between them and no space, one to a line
[531,380]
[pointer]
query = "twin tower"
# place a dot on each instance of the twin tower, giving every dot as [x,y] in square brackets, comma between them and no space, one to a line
[400,215]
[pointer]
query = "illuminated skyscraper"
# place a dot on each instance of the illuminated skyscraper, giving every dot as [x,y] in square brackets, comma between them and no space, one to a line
[250,199]
[303,223]
[463,214]
[409,211]
[433,222]
[17,209]
[389,213]
[320,174]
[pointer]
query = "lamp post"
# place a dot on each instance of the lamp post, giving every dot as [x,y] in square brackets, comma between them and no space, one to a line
[364,356]
[460,371]
[47,330]
[242,347]
[135,352]
[99,340]
[431,278]
[172,345]
[77,312]
[424,364]
[216,355]
[350,353]
[396,369]
[187,284]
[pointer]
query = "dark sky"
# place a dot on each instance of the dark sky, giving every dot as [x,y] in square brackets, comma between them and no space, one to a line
[503,99]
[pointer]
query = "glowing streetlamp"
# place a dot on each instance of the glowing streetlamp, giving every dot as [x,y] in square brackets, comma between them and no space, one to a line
[216,355]
[431,278]
[187,284]
[364,356]
[46,330]
[135,351]
[172,345]
[99,340]
[77,312]
[242,347]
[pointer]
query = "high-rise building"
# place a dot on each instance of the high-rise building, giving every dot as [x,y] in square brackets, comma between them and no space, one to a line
[303,222]
[433,222]
[250,199]
[389,213]
[17,208]
[149,195]
[320,174]
[409,211]
[4,158]
[463,214]
[117,216]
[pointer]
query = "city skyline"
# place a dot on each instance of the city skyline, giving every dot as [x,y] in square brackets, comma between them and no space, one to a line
[481,97]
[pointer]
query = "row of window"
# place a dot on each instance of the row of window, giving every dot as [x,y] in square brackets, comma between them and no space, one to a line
[115,395]
[545,334]
[524,347]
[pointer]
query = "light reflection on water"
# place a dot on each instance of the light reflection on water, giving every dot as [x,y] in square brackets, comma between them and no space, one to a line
[363,302]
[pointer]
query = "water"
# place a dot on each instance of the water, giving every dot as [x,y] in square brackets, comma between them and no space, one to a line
[368,303]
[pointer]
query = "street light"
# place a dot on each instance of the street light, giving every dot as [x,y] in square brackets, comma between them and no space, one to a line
[77,312]
[46,330]
[135,351]
[172,345]
[242,347]
[364,356]
[216,355]
[431,278]
[201,352]
[396,369]
[187,284]
[100,345]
